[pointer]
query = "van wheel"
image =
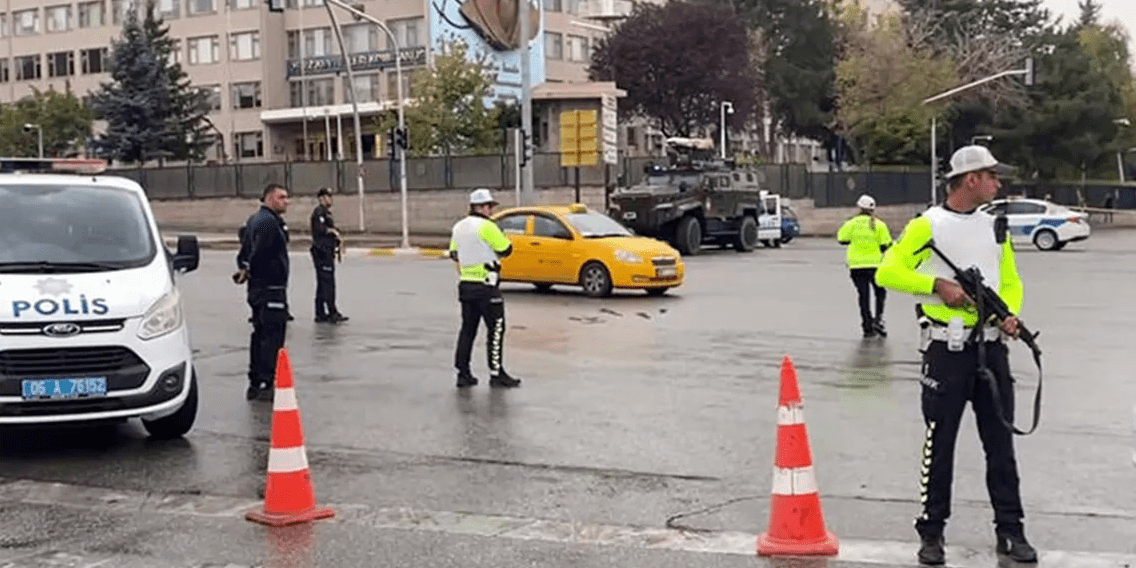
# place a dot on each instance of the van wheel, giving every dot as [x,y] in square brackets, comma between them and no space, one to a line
[746,239]
[595,279]
[1045,240]
[688,236]
[180,422]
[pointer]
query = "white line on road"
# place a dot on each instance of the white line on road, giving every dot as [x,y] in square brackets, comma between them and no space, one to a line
[888,553]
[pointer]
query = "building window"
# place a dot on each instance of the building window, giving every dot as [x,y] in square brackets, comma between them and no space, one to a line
[367,88]
[407,32]
[197,7]
[27,22]
[246,95]
[175,53]
[204,50]
[317,42]
[166,9]
[93,60]
[578,48]
[572,6]
[296,93]
[392,86]
[249,144]
[552,5]
[293,4]
[3,25]
[4,70]
[244,4]
[27,67]
[58,18]
[553,47]
[214,92]
[321,92]
[244,46]
[61,64]
[117,11]
[92,14]
[361,38]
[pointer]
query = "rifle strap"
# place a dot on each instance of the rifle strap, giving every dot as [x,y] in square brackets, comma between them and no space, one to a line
[987,375]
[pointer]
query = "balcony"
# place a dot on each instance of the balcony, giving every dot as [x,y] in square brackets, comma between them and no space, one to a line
[366,61]
[606,9]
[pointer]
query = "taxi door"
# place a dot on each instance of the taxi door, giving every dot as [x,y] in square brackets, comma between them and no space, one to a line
[515,226]
[550,247]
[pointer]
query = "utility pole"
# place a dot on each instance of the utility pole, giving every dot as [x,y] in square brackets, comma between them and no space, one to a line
[527,196]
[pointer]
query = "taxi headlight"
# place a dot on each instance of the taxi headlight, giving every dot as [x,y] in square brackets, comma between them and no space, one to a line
[628,257]
[162,318]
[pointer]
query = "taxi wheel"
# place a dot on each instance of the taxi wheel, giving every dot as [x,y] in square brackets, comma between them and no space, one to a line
[1045,240]
[178,423]
[595,279]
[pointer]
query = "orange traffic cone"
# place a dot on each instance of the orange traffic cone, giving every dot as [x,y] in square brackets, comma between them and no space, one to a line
[796,522]
[288,495]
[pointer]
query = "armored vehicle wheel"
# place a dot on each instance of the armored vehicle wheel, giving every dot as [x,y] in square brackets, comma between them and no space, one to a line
[688,236]
[746,239]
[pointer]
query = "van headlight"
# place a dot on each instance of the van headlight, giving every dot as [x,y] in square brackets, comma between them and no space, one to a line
[628,257]
[162,318]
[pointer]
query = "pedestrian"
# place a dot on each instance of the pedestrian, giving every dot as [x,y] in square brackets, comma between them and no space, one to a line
[477,245]
[326,242]
[267,280]
[867,237]
[950,377]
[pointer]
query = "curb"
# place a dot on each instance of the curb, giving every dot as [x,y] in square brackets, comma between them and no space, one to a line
[413,251]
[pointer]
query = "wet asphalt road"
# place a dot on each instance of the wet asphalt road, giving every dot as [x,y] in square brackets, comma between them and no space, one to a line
[633,411]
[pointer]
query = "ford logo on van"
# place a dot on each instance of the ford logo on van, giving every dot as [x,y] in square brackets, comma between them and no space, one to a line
[61,329]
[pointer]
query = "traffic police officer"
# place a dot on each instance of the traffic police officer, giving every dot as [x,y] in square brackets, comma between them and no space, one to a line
[267,269]
[867,237]
[477,245]
[325,241]
[950,365]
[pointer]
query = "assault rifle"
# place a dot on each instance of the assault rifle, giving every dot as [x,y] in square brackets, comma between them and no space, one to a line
[991,306]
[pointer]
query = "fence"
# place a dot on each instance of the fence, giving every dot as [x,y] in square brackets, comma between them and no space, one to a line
[889,186]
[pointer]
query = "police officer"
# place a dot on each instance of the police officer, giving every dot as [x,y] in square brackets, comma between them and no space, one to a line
[325,242]
[950,363]
[477,245]
[867,237]
[268,268]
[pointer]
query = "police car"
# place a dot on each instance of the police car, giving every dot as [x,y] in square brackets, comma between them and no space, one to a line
[91,321]
[1046,225]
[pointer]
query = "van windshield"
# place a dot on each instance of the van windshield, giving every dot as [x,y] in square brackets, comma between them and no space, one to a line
[72,228]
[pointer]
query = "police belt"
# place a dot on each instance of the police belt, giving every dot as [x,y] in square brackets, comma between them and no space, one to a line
[937,331]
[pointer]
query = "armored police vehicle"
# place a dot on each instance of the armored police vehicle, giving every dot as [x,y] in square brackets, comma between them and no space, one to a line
[91,322]
[693,201]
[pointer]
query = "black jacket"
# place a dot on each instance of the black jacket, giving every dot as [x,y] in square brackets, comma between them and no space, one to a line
[267,238]
[321,222]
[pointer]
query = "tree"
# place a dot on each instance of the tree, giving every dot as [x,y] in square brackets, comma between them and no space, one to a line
[678,62]
[64,119]
[449,115]
[189,134]
[881,82]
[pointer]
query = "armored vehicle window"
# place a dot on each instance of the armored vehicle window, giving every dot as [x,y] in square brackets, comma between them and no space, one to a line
[737,177]
[749,177]
[514,224]
[724,181]
[549,227]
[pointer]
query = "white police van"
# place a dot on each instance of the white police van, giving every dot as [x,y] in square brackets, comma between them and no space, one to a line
[91,322]
[1046,225]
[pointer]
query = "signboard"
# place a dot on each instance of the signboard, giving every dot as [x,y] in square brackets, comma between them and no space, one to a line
[579,138]
[490,31]
[610,136]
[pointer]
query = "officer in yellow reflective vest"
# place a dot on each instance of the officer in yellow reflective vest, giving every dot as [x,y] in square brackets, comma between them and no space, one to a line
[867,237]
[950,377]
[477,245]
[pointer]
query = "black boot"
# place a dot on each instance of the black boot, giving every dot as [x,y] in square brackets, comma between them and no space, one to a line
[878,325]
[1012,542]
[503,379]
[466,380]
[931,548]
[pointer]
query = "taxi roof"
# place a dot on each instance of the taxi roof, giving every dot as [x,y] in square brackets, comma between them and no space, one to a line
[560,209]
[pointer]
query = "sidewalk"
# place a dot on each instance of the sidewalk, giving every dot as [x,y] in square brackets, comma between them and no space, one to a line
[374,244]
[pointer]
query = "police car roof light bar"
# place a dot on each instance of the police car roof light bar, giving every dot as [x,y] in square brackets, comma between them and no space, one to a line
[53,165]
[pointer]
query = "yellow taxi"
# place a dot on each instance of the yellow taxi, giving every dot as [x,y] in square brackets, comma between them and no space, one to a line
[576,246]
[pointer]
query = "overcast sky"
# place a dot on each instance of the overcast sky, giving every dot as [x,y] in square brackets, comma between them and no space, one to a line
[1111,10]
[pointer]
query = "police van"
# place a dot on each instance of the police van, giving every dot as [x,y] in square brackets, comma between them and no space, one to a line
[91,322]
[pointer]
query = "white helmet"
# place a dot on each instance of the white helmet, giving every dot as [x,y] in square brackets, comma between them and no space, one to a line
[481,197]
[866,202]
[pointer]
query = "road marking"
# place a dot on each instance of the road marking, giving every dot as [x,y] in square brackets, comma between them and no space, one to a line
[877,552]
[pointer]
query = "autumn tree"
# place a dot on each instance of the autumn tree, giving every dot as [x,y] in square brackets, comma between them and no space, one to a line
[678,62]
[64,119]
[449,114]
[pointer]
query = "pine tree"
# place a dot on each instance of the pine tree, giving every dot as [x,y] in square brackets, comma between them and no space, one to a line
[134,103]
[189,135]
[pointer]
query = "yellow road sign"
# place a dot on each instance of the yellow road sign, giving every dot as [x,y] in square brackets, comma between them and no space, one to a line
[579,143]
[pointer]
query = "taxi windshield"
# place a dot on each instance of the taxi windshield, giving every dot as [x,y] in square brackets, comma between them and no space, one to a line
[596,225]
[72,228]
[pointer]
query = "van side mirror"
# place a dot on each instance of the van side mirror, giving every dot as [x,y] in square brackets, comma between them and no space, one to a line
[188,254]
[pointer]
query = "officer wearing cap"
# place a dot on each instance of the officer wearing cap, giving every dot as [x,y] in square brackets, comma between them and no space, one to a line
[325,242]
[867,237]
[477,245]
[950,362]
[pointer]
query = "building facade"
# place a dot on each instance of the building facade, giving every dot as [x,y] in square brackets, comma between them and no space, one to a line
[279,86]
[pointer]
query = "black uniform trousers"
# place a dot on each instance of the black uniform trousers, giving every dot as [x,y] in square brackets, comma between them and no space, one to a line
[481,302]
[324,261]
[950,379]
[269,327]
[865,281]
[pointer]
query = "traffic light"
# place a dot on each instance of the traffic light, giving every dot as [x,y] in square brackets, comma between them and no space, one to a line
[390,143]
[402,137]
[526,148]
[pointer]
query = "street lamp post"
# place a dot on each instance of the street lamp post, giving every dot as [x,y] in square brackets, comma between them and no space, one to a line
[726,107]
[28,127]
[1119,156]
[985,137]
[354,101]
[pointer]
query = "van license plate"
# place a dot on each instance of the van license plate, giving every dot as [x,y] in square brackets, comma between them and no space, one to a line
[64,388]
